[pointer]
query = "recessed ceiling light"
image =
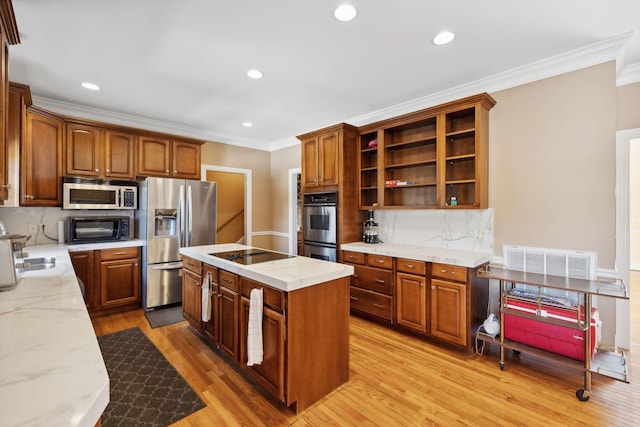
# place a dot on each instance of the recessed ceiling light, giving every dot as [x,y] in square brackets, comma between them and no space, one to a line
[443,38]
[247,124]
[255,74]
[90,86]
[345,13]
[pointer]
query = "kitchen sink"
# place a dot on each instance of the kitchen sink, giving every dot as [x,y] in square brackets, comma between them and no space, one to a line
[32,264]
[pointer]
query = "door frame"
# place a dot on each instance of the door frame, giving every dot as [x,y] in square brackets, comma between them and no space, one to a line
[623,230]
[248,227]
[293,207]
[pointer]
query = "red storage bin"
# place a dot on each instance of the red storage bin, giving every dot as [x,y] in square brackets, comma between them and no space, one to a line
[561,340]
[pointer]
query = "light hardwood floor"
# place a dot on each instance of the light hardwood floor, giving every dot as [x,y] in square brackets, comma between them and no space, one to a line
[396,380]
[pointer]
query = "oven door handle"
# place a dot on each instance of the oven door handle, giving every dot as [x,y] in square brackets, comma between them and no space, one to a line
[168,266]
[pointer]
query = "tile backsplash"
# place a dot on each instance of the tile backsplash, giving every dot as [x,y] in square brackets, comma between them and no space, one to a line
[18,220]
[470,229]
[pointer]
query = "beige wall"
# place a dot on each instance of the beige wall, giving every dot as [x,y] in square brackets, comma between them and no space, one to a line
[552,163]
[628,107]
[258,161]
[281,162]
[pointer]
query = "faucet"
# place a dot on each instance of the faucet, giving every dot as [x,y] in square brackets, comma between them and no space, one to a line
[3,228]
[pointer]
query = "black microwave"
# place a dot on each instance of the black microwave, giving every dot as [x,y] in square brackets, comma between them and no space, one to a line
[95,229]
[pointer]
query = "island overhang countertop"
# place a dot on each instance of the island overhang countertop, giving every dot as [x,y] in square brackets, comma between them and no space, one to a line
[286,275]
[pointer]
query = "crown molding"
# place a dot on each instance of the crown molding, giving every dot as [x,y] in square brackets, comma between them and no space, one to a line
[630,74]
[143,123]
[607,50]
[594,54]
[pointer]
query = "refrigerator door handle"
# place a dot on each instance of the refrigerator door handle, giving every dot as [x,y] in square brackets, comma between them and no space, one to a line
[188,228]
[181,219]
[167,266]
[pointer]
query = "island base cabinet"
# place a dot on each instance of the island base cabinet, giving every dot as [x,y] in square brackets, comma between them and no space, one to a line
[317,342]
[269,373]
[192,298]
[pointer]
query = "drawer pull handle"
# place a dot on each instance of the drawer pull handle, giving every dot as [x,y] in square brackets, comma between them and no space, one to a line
[445,271]
[380,261]
[379,281]
[378,305]
[226,280]
[354,298]
[355,275]
[410,266]
[120,253]
[353,257]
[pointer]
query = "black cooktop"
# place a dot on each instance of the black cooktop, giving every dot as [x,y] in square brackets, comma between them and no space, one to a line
[250,256]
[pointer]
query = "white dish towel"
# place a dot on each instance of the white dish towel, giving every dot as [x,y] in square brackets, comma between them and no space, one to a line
[254,334]
[206,297]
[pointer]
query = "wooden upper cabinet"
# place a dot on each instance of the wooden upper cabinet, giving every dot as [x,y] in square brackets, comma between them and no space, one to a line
[310,162]
[166,158]
[8,36]
[320,156]
[186,160]
[119,154]
[154,156]
[83,150]
[41,165]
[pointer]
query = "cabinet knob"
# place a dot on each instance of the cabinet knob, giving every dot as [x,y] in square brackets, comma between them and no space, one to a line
[108,170]
[167,170]
[175,171]
[433,287]
[97,170]
[315,180]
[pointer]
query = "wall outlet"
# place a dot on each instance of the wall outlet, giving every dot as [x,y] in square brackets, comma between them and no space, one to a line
[33,229]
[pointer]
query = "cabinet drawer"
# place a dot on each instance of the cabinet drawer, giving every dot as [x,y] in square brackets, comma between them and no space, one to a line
[411,266]
[380,261]
[192,264]
[374,279]
[119,253]
[271,297]
[354,257]
[451,272]
[371,303]
[228,280]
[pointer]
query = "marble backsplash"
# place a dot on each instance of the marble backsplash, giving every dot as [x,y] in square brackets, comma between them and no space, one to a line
[18,220]
[470,230]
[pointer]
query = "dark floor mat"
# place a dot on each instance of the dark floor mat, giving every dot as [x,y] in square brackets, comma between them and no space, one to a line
[164,316]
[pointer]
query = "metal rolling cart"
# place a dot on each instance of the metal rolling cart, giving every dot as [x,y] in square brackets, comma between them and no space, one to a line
[612,363]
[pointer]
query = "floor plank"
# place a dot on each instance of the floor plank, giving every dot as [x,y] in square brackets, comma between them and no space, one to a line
[402,381]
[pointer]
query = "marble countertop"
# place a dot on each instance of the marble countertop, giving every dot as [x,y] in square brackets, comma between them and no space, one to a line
[285,274]
[421,253]
[51,367]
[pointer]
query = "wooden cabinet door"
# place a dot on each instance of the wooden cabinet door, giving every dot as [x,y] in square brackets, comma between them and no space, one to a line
[186,160]
[412,301]
[270,373]
[449,311]
[310,174]
[41,161]
[83,150]
[4,115]
[84,268]
[119,282]
[119,154]
[210,328]
[192,298]
[328,158]
[228,308]
[154,156]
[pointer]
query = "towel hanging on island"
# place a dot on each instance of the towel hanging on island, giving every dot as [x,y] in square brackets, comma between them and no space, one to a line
[254,333]
[206,297]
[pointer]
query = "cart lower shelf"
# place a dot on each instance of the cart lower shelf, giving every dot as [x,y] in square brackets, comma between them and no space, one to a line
[609,363]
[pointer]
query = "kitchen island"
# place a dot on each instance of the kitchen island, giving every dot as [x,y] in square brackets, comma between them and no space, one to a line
[305,323]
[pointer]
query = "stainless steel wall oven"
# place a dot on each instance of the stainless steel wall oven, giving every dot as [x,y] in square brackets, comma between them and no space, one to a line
[320,231]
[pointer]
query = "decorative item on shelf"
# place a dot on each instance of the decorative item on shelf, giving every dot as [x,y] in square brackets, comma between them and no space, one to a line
[453,201]
[373,143]
[370,230]
[391,183]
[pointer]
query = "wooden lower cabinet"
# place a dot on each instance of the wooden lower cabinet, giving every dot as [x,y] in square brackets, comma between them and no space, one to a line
[270,373]
[192,292]
[305,335]
[439,301]
[111,278]
[449,311]
[411,297]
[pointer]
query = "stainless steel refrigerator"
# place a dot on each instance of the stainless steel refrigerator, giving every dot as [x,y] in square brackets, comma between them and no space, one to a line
[172,213]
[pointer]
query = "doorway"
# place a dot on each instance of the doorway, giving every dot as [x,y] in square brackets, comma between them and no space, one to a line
[233,204]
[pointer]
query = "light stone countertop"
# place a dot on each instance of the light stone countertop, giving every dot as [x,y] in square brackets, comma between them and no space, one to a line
[285,274]
[51,368]
[421,253]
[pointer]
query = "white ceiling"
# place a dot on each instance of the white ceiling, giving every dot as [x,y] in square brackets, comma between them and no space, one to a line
[180,66]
